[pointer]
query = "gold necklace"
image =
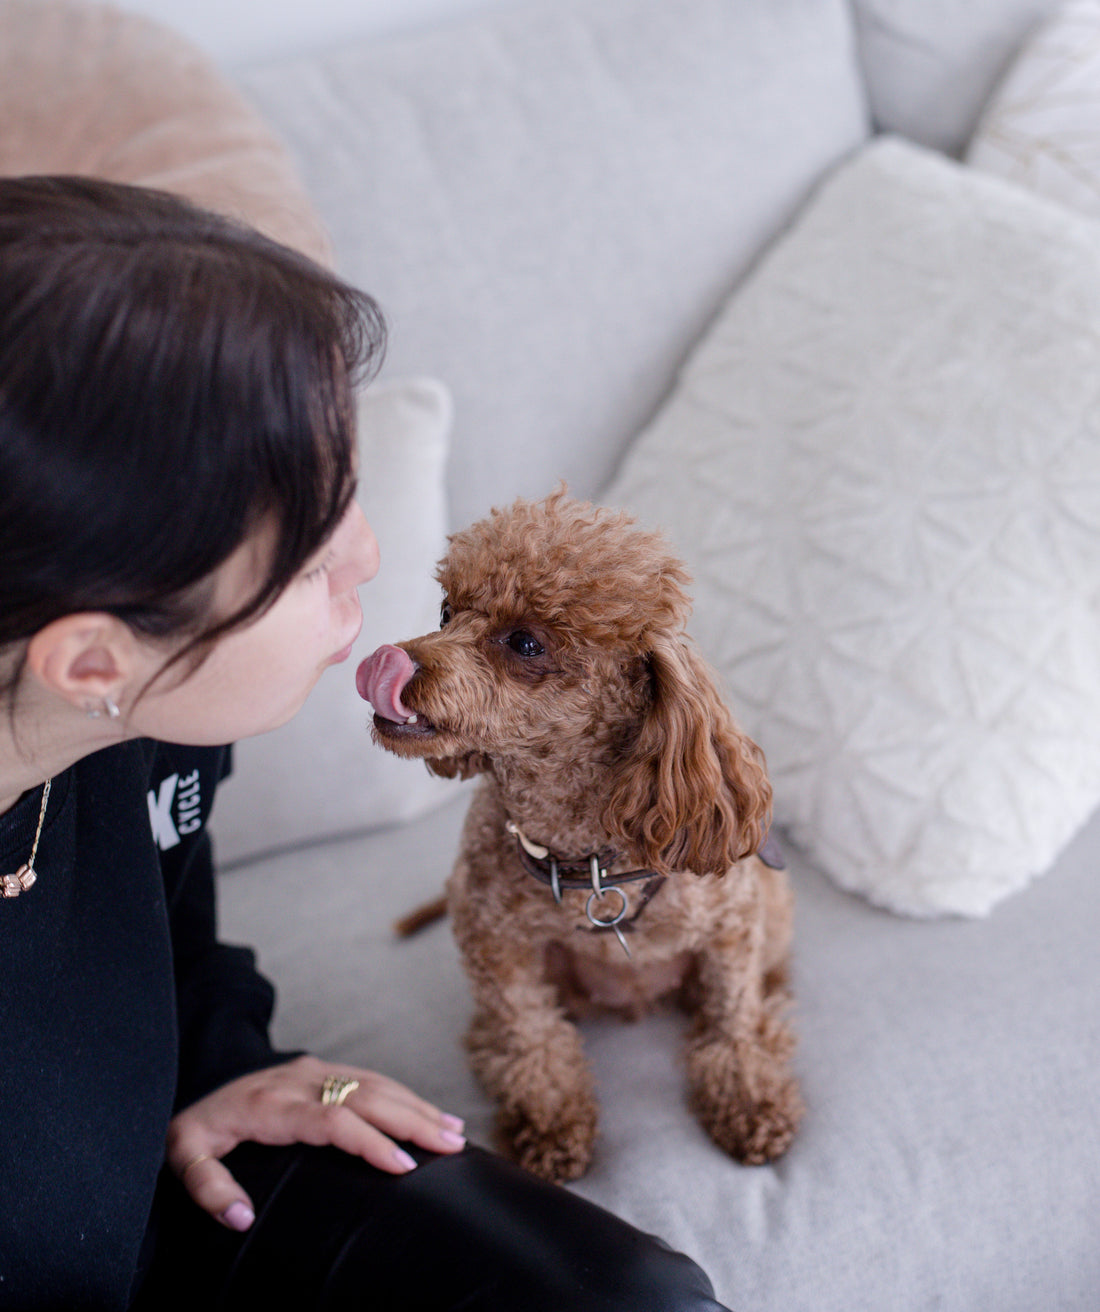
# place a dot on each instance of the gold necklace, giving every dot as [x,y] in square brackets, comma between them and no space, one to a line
[24,877]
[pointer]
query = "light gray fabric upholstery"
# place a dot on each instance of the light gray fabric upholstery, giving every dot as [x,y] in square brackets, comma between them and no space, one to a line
[931,65]
[551,201]
[950,1158]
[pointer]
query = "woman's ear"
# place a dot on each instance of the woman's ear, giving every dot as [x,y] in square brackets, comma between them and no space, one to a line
[693,793]
[85,658]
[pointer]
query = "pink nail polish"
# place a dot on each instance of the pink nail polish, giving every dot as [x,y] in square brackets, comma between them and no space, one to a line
[453,1123]
[402,1158]
[453,1139]
[238,1216]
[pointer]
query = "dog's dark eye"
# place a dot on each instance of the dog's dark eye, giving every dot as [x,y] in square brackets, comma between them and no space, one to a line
[524,644]
[445,614]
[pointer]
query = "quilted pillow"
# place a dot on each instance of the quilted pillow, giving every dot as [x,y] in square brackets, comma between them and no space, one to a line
[1041,127]
[883,464]
[319,775]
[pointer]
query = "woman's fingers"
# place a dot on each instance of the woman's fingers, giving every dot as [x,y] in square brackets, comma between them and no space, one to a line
[341,1127]
[212,1186]
[381,1090]
[398,1112]
[285,1104]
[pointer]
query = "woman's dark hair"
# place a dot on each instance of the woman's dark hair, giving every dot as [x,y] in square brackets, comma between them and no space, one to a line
[169,380]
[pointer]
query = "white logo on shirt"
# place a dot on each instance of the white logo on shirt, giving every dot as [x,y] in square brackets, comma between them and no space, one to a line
[184,792]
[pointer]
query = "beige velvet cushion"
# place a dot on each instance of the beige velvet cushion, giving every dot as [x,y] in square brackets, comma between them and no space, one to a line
[88,89]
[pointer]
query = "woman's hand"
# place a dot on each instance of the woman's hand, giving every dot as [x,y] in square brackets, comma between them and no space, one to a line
[282,1105]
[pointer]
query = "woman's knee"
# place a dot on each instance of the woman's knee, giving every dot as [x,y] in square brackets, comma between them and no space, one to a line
[548,1249]
[659,1279]
[630,1272]
[471,1231]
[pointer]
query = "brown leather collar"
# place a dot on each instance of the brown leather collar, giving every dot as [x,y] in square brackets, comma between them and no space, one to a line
[589,872]
[576,872]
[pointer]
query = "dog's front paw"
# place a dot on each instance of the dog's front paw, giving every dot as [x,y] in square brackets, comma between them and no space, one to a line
[546,1097]
[555,1144]
[750,1106]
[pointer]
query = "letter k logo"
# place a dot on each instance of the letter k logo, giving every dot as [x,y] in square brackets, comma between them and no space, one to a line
[160,813]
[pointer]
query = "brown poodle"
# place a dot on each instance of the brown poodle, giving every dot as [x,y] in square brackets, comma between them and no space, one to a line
[609,857]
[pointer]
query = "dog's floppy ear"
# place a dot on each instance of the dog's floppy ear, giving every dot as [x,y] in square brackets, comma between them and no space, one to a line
[458,767]
[693,793]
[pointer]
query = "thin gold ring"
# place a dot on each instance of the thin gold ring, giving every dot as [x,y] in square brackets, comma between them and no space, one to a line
[200,1157]
[336,1088]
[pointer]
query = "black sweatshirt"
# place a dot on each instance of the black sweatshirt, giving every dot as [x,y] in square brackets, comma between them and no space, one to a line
[117,1007]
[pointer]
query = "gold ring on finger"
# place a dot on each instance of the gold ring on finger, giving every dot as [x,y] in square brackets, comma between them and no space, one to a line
[199,1157]
[336,1088]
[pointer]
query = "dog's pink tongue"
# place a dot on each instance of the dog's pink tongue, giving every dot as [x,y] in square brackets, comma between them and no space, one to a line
[380,679]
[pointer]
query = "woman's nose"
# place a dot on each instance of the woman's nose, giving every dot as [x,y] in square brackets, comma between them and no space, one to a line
[359,554]
[369,555]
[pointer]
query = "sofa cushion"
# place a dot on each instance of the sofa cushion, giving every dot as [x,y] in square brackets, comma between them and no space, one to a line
[89,89]
[947,1159]
[1041,127]
[320,775]
[552,198]
[882,465]
[930,65]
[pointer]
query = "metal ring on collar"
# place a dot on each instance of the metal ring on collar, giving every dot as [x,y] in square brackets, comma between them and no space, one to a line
[606,924]
[555,881]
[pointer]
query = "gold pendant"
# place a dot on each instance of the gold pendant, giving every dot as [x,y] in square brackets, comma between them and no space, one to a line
[13,885]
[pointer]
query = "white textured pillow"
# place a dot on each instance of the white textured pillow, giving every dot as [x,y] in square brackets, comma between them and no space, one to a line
[883,464]
[320,775]
[1041,127]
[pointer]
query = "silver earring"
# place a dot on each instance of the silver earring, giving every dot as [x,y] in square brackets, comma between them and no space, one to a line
[111,710]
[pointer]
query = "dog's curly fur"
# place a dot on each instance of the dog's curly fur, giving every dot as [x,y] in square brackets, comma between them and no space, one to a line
[562,674]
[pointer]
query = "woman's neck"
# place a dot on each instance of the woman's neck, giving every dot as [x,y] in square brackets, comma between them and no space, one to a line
[9,799]
[42,739]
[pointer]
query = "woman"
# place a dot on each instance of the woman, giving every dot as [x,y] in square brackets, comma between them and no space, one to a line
[179,557]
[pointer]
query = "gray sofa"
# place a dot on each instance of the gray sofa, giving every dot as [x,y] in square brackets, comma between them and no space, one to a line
[553,201]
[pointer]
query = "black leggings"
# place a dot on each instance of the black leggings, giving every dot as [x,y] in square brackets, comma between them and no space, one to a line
[468,1233]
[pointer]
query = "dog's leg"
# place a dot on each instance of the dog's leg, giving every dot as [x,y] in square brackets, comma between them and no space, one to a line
[739,1052]
[529,1057]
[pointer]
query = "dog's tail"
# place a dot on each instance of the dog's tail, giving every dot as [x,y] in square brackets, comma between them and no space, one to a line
[421,918]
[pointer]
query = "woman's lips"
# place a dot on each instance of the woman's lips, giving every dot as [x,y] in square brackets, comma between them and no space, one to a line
[345,652]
